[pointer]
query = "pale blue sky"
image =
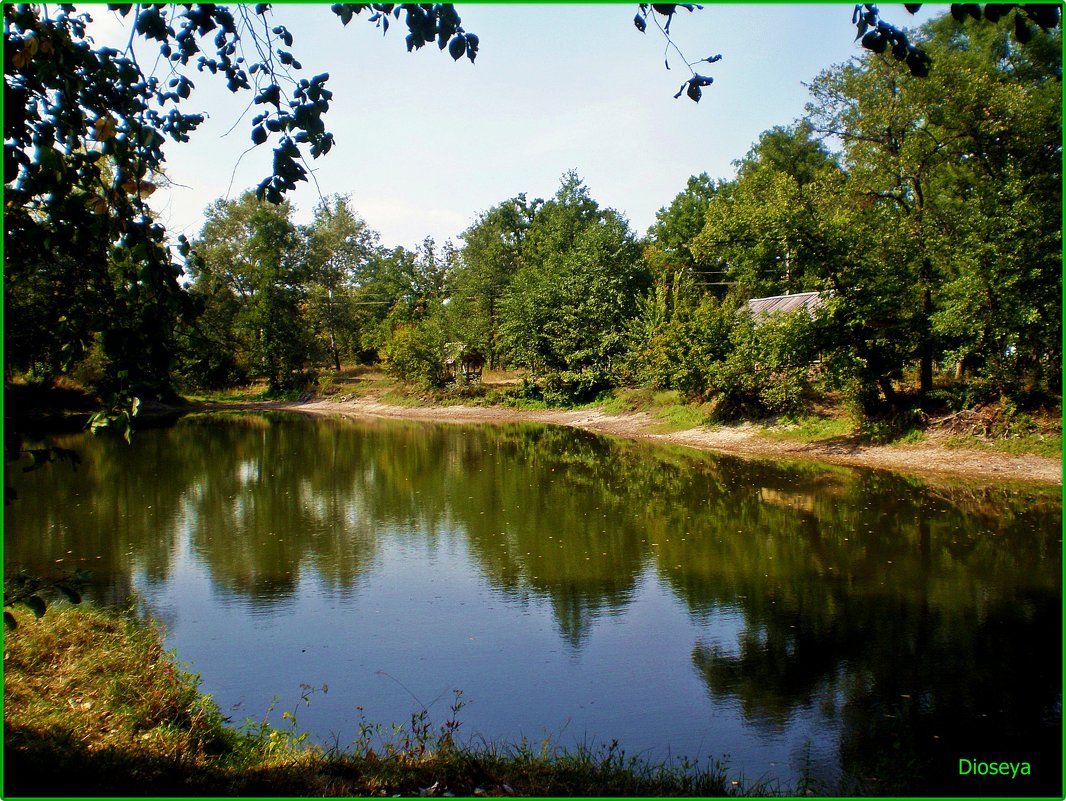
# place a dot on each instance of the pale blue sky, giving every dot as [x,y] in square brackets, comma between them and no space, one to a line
[425,143]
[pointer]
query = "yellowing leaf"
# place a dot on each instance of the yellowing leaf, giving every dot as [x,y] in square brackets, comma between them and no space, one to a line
[141,188]
[104,128]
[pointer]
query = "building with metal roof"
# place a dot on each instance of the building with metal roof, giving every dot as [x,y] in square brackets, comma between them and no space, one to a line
[783,304]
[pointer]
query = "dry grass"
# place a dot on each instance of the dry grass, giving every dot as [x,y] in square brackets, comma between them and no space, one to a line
[94,706]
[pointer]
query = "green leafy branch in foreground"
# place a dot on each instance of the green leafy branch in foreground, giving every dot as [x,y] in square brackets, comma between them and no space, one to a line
[30,591]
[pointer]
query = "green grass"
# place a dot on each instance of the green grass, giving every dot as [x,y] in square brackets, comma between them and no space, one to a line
[678,417]
[670,412]
[93,705]
[249,394]
[1046,445]
[401,396]
[627,399]
[532,404]
[810,428]
[667,408]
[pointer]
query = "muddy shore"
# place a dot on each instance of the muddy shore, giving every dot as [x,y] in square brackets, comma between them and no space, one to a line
[927,458]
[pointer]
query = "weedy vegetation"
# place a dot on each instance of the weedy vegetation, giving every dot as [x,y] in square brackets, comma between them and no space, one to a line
[94,705]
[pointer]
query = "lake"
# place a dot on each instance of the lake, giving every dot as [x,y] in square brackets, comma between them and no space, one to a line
[801,622]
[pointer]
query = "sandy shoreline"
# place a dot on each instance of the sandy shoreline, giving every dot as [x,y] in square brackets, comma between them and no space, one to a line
[923,459]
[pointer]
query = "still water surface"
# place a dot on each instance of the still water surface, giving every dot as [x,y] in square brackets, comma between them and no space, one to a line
[800,621]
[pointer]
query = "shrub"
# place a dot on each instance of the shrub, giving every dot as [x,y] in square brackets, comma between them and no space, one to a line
[677,338]
[567,388]
[414,352]
[767,371]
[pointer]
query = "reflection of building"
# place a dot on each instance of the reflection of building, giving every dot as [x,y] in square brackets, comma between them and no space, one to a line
[792,500]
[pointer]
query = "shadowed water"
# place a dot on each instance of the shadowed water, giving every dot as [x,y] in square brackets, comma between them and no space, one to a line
[836,626]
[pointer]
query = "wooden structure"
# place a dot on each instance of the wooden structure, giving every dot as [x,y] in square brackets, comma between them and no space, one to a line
[462,363]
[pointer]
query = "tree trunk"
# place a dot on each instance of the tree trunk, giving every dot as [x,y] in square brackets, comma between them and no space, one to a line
[886,388]
[333,350]
[925,353]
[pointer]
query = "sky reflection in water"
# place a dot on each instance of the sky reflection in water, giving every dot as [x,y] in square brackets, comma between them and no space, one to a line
[834,622]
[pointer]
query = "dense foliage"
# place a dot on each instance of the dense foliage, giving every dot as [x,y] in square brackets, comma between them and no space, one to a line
[920,196]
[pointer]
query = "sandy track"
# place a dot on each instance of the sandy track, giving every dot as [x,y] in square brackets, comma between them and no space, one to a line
[925,458]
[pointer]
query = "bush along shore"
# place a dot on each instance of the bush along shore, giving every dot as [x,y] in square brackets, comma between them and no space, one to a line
[94,706]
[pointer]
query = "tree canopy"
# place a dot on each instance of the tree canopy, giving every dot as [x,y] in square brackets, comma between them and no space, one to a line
[920,195]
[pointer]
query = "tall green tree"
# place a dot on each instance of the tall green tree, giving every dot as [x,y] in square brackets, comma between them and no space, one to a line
[676,226]
[999,309]
[487,261]
[340,245]
[957,181]
[678,334]
[576,288]
[766,230]
[87,266]
[252,258]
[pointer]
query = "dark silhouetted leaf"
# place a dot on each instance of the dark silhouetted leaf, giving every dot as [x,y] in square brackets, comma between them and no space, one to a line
[874,41]
[694,92]
[36,605]
[1044,15]
[457,47]
[918,63]
[912,8]
[72,594]
[994,12]
[638,20]
[344,11]
[1021,30]
[259,135]
[272,94]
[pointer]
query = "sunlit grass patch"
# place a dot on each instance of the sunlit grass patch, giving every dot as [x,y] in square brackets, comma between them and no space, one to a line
[401,396]
[809,428]
[678,417]
[1045,445]
[250,393]
[628,399]
[668,408]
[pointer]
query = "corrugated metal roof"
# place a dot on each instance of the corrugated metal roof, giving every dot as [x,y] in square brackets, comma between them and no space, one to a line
[782,304]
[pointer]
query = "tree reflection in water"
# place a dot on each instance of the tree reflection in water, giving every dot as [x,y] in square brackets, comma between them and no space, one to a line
[922,623]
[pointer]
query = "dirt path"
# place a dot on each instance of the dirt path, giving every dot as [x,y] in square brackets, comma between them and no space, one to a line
[926,458]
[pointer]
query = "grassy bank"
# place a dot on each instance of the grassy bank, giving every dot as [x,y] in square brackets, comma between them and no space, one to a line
[996,427]
[93,705]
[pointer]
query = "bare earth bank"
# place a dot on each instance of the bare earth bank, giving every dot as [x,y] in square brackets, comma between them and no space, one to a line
[926,458]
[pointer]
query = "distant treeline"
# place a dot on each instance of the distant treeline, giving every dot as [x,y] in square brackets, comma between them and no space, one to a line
[926,212]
